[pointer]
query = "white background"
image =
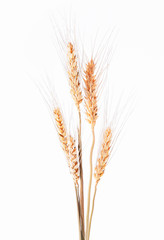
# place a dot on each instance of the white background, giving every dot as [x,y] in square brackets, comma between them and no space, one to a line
[37,199]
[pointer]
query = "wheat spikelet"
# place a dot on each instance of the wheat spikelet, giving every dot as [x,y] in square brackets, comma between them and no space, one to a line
[73,160]
[73,74]
[61,130]
[90,92]
[102,160]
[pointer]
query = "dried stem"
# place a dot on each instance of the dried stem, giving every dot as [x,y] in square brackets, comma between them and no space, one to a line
[81,180]
[78,209]
[90,184]
[93,204]
[100,168]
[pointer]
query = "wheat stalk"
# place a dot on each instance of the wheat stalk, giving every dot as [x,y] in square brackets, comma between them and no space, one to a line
[93,204]
[74,170]
[91,109]
[73,164]
[75,90]
[81,180]
[100,166]
[70,150]
[78,210]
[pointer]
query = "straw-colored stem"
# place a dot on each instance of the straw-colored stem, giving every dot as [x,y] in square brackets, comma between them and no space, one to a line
[90,184]
[78,209]
[81,181]
[93,204]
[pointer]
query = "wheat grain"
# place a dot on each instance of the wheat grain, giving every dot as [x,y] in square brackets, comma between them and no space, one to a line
[104,155]
[90,90]
[73,74]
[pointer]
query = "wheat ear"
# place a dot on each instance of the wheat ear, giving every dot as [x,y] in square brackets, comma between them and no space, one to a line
[73,161]
[100,166]
[68,145]
[61,129]
[90,90]
[102,160]
[73,74]
[75,90]
[91,109]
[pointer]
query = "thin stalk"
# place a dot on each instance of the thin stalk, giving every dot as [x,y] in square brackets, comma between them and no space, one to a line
[81,180]
[78,209]
[90,184]
[93,203]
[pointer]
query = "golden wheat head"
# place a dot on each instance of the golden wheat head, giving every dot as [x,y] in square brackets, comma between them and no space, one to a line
[73,74]
[61,130]
[73,160]
[90,90]
[104,154]
[68,146]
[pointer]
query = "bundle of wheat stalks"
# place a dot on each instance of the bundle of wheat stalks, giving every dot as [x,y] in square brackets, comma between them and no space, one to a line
[84,90]
[74,155]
